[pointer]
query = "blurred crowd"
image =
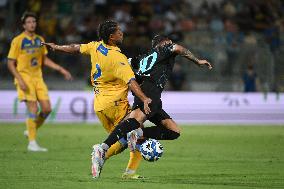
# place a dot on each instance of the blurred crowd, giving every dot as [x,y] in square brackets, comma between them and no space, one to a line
[196,23]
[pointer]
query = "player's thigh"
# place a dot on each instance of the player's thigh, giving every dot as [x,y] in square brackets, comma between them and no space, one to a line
[138,115]
[104,119]
[162,118]
[41,90]
[138,108]
[45,106]
[113,115]
[32,106]
[120,111]
[29,94]
[171,125]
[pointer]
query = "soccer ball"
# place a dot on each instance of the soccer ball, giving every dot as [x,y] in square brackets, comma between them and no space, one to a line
[151,150]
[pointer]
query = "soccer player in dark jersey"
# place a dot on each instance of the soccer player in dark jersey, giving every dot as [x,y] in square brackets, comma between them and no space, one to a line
[152,72]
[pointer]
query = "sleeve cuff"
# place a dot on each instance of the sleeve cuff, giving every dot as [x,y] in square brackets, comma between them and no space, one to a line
[133,78]
[11,58]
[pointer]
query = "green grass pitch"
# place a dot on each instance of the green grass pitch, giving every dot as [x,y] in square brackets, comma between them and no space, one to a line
[203,157]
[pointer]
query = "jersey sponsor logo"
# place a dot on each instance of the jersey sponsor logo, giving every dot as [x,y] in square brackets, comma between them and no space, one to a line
[34,62]
[102,49]
[30,44]
[147,62]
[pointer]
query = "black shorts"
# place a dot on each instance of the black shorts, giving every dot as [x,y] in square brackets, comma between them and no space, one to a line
[157,113]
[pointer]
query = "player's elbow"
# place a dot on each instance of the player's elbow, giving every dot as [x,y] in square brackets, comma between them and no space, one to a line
[11,64]
[178,49]
[75,48]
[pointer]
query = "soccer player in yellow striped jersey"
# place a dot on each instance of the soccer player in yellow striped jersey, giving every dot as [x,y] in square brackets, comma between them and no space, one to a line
[25,60]
[111,76]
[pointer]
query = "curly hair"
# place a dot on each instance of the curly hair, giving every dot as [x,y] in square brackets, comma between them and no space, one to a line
[157,39]
[105,29]
[26,15]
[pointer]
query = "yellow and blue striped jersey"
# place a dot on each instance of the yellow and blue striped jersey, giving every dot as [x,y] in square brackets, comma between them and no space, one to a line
[110,73]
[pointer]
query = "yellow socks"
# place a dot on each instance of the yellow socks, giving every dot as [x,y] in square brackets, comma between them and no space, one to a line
[31,127]
[116,148]
[134,161]
[33,122]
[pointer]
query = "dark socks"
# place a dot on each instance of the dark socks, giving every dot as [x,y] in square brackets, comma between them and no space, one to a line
[121,130]
[160,133]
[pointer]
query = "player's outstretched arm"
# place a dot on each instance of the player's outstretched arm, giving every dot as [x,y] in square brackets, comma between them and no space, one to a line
[189,55]
[12,68]
[135,88]
[73,48]
[49,63]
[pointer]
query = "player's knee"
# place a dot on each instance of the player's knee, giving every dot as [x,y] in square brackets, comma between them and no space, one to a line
[138,115]
[33,110]
[126,126]
[133,122]
[46,111]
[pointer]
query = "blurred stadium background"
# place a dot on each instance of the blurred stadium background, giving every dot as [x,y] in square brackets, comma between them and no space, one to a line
[232,34]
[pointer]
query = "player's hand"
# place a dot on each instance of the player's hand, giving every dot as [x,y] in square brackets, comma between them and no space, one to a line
[49,45]
[67,75]
[22,85]
[205,62]
[147,101]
